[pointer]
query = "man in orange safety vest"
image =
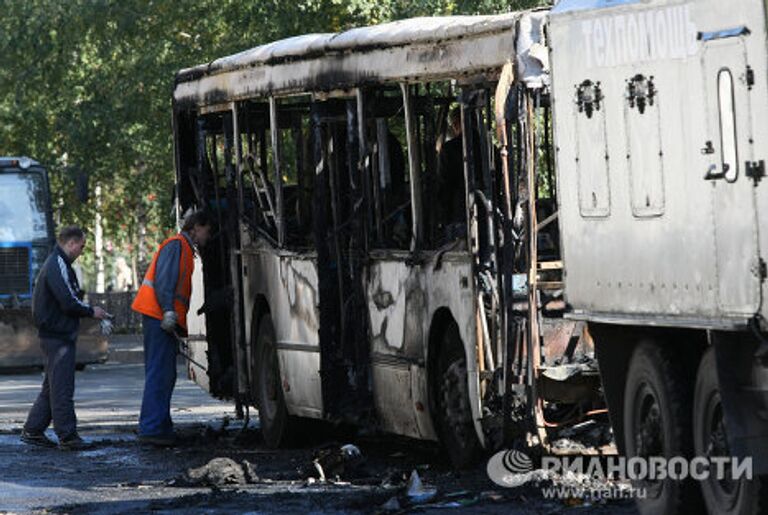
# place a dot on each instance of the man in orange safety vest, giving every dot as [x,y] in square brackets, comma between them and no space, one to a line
[163,300]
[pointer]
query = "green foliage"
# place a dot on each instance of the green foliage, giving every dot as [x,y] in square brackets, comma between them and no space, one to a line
[85,85]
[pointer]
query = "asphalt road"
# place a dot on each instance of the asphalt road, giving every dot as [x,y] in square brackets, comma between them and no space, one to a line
[119,475]
[107,402]
[107,395]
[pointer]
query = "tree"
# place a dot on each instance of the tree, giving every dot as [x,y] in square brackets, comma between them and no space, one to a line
[85,86]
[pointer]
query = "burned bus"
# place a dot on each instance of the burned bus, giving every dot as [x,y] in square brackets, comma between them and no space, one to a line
[372,262]
[439,227]
[26,239]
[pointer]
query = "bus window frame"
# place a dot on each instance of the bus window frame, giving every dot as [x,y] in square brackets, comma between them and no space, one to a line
[414,170]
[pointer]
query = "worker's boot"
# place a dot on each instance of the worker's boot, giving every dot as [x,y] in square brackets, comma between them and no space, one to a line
[73,442]
[38,439]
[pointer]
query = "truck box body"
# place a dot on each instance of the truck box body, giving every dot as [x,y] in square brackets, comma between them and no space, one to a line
[660,128]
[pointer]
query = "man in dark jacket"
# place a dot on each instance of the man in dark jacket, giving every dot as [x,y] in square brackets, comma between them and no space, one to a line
[57,307]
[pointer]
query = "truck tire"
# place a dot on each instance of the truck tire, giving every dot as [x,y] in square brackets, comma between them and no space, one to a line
[454,420]
[657,422]
[726,497]
[273,413]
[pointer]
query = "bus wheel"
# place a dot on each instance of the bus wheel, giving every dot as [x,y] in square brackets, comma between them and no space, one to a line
[721,495]
[454,415]
[657,424]
[273,414]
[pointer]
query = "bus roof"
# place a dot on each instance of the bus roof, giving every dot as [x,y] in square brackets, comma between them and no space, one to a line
[403,50]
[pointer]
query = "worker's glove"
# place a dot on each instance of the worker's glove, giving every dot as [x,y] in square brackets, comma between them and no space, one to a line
[106,326]
[169,321]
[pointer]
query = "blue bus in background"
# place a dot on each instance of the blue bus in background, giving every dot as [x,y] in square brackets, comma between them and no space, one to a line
[27,237]
[26,228]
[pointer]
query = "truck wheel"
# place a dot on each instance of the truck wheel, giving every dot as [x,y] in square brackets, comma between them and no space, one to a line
[454,422]
[721,496]
[657,423]
[273,414]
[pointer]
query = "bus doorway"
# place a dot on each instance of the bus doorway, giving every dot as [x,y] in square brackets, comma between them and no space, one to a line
[339,219]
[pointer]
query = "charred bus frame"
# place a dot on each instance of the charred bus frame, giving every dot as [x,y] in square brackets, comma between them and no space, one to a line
[337,287]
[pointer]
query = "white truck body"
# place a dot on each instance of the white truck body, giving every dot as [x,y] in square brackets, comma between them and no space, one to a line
[655,231]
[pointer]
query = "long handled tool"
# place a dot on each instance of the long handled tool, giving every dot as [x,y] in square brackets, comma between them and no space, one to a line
[183,350]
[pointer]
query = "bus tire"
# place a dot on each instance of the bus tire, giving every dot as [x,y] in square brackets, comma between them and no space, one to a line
[455,425]
[657,422]
[727,497]
[273,413]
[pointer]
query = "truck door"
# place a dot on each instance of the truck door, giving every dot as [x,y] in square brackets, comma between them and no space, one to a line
[728,152]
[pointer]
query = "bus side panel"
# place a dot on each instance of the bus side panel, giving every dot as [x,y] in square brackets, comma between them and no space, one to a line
[451,286]
[298,344]
[403,300]
[396,310]
[289,285]
[196,339]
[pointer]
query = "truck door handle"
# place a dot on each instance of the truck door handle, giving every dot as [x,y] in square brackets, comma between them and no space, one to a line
[713,175]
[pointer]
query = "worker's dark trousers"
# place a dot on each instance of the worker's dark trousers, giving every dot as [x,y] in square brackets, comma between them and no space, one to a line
[55,400]
[159,380]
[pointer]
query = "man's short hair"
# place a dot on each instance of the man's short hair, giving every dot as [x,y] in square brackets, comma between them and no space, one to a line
[70,232]
[199,217]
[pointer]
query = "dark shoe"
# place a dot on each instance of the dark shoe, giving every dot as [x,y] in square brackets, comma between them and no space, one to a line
[74,443]
[38,439]
[158,440]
